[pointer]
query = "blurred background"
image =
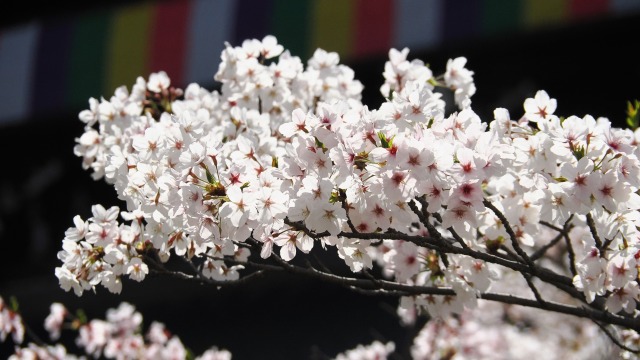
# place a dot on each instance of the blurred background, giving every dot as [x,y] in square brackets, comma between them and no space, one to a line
[54,57]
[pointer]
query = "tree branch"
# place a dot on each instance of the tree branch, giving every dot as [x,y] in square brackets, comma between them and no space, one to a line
[614,339]
[543,249]
[594,232]
[438,243]
[385,287]
[512,235]
[572,255]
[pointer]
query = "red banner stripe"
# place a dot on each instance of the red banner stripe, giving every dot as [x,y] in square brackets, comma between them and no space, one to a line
[168,44]
[373,27]
[580,9]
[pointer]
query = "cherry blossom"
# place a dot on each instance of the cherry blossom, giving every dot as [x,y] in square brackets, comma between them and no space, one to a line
[539,108]
[446,204]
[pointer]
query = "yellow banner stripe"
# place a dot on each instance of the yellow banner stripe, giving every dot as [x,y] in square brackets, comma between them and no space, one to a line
[128,46]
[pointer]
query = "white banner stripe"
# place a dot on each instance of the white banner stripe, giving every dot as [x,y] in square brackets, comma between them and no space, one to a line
[211,24]
[418,24]
[17,57]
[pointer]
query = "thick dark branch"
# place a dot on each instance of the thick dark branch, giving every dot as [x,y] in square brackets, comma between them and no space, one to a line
[543,274]
[421,216]
[437,242]
[583,312]
[385,287]
[561,282]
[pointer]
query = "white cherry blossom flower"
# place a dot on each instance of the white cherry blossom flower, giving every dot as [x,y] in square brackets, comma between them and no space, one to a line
[539,108]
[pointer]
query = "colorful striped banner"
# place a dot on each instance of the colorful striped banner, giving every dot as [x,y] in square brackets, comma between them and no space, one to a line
[57,64]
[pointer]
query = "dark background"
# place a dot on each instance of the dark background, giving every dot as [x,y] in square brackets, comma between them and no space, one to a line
[589,67]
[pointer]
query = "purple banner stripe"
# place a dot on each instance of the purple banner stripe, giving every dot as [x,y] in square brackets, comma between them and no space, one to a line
[52,66]
[462,19]
[253,20]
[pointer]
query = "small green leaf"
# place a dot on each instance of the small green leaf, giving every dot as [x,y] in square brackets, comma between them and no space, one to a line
[386,143]
[633,115]
[210,177]
[320,145]
[335,197]
[82,316]
[13,303]
[189,355]
[383,140]
[579,152]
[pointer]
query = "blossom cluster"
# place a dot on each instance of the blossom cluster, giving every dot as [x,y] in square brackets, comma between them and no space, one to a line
[119,336]
[10,323]
[286,156]
[498,331]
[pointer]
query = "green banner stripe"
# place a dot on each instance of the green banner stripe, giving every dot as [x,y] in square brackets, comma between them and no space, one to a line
[87,63]
[290,24]
[499,16]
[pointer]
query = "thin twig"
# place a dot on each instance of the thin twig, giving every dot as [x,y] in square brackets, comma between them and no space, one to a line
[572,255]
[594,232]
[543,249]
[512,235]
[551,226]
[510,254]
[534,290]
[614,339]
